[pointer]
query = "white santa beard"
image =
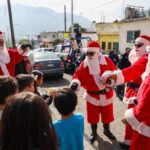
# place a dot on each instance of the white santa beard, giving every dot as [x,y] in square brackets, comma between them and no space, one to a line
[141,51]
[135,55]
[147,70]
[93,64]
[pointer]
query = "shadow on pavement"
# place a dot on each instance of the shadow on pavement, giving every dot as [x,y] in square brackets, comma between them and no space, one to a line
[101,144]
[55,82]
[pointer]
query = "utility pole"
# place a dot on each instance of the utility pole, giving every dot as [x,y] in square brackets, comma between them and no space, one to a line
[65,18]
[11,24]
[72,28]
[123,9]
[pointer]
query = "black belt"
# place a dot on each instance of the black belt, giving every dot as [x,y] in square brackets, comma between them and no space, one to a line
[99,92]
[133,85]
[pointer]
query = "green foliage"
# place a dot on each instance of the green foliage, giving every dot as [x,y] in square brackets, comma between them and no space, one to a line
[77,26]
[57,41]
[24,41]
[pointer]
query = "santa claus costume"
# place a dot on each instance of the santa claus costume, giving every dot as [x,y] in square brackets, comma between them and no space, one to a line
[133,77]
[99,98]
[139,116]
[9,58]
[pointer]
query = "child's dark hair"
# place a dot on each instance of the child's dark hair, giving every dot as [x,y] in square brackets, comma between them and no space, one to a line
[36,75]
[65,101]
[26,124]
[8,86]
[24,80]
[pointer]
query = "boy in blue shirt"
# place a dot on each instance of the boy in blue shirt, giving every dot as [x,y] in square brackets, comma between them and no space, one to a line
[70,128]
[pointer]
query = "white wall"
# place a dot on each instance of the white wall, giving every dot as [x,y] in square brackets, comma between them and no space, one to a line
[142,25]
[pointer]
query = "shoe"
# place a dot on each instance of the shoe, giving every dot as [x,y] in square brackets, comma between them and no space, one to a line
[93,138]
[124,146]
[109,134]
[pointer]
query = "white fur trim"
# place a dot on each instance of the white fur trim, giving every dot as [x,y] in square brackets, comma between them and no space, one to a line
[76,81]
[102,61]
[4,69]
[138,126]
[91,49]
[21,52]
[142,40]
[102,101]
[129,100]
[120,77]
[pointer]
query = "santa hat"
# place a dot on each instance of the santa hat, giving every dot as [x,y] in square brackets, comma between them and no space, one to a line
[143,39]
[92,46]
[1,35]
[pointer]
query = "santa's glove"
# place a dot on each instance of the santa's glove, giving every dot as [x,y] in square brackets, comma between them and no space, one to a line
[74,86]
[108,78]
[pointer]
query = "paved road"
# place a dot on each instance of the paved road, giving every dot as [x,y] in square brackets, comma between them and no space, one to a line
[103,143]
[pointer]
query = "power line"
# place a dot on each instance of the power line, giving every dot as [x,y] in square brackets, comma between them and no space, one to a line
[107,3]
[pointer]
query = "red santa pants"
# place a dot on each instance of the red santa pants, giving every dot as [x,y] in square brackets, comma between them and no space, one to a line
[94,112]
[139,142]
[128,130]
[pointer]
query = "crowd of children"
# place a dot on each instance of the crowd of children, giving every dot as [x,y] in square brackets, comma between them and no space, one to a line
[26,121]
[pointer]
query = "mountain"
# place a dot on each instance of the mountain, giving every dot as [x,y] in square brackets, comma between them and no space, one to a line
[30,21]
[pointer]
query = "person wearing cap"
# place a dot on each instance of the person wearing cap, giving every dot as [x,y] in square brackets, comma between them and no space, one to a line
[99,98]
[139,116]
[133,77]
[124,61]
[10,57]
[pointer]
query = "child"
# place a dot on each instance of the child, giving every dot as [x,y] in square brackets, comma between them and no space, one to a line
[25,83]
[70,128]
[38,81]
[26,124]
[8,87]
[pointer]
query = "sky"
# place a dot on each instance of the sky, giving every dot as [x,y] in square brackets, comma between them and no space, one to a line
[98,10]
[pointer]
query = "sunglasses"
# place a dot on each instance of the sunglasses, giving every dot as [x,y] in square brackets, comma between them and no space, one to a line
[139,45]
[90,54]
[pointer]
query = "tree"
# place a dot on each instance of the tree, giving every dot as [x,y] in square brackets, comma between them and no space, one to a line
[77,28]
[57,41]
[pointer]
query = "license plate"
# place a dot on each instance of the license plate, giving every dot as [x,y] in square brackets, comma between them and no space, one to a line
[50,65]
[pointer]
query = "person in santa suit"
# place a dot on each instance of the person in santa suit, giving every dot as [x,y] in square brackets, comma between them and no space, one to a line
[10,57]
[139,116]
[133,77]
[99,98]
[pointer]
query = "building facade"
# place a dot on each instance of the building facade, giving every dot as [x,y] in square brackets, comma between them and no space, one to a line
[108,36]
[130,29]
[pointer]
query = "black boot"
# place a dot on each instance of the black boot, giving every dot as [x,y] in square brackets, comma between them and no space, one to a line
[108,133]
[94,133]
[124,146]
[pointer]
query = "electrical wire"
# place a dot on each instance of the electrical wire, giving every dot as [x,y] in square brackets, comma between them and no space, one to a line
[102,5]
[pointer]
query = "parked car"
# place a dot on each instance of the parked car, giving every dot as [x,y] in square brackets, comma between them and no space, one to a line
[48,63]
[64,52]
[42,49]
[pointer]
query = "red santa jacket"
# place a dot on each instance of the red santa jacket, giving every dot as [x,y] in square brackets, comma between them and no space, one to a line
[15,58]
[93,83]
[132,74]
[139,116]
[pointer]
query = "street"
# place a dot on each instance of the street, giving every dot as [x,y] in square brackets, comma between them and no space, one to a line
[117,127]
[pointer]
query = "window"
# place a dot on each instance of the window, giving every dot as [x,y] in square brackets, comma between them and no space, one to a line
[132,35]
[109,45]
[103,45]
